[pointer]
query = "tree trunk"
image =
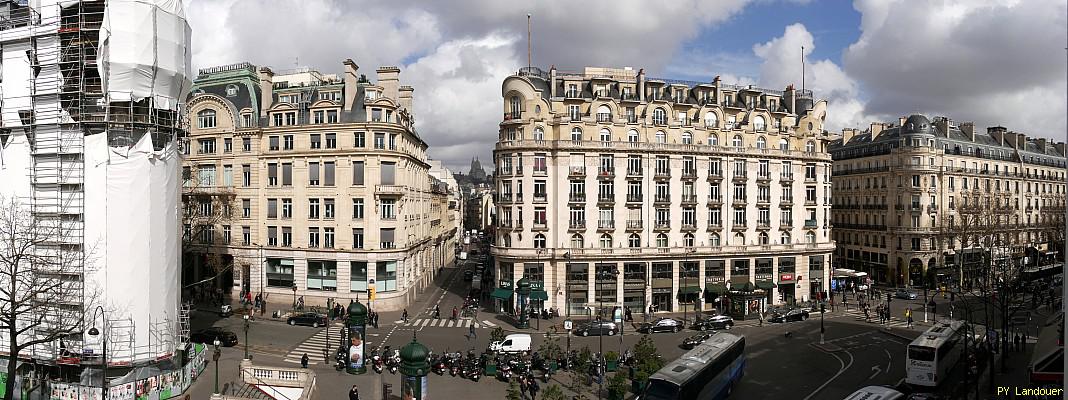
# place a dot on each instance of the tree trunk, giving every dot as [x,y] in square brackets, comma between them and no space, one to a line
[12,365]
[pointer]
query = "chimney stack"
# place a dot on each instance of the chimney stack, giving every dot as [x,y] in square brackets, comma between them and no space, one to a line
[901,121]
[996,132]
[1042,145]
[876,128]
[351,79]
[847,134]
[968,129]
[1060,149]
[266,90]
[389,80]
[406,98]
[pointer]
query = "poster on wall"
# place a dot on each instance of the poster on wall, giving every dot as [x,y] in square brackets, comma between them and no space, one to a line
[356,347]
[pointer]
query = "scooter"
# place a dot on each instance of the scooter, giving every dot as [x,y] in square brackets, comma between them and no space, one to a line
[341,358]
[392,359]
[376,361]
[226,310]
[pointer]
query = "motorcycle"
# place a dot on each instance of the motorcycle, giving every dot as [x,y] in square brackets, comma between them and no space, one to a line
[437,364]
[455,363]
[392,359]
[341,358]
[226,310]
[376,361]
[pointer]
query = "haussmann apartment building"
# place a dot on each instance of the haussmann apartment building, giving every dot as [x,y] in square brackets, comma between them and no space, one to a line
[328,189]
[619,189]
[927,201]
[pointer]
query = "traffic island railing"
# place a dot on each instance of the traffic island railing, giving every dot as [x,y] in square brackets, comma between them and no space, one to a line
[265,377]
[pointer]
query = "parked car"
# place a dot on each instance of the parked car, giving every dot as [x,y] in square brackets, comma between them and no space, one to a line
[208,336]
[597,328]
[309,318]
[795,314]
[661,325]
[714,322]
[695,340]
[876,393]
[514,343]
[905,294]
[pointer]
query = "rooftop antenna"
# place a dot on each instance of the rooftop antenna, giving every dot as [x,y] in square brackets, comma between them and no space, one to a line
[528,42]
[802,69]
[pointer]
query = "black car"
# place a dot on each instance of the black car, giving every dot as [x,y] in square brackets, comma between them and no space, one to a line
[695,340]
[597,328]
[661,325]
[714,322]
[795,314]
[208,336]
[310,319]
[469,275]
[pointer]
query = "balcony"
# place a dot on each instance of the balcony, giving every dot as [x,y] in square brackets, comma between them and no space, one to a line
[739,202]
[662,225]
[763,200]
[689,226]
[634,173]
[505,224]
[634,225]
[810,178]
[606,225]
[572,94]
[715,201]
[763,178]
[577,198]
[576,225]
[606,197]
[634,197]
[604,118]
[540,198]
[539,226]
[739,177]
[714,227]
[787,202]
[662,199]
[689,174]
[632,119]
[738,226]
[539,171]
[606,173]
[576,171]
[662,174]
[810,202]
[512,116]
[389,190]
[715,176]
[690,199]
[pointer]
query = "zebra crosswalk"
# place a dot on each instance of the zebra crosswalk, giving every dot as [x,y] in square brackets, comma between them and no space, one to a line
[315,346]
[464,323]
[858,315]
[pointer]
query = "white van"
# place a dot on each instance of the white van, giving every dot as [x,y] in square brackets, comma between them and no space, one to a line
[876,393]
[513,343]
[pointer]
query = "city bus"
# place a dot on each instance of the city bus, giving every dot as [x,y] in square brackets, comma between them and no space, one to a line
[934,353]
[709,371]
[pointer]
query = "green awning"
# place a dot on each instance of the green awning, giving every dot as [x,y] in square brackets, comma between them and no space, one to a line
[766,285]
[742,287]
[716,288]
[539,295]
[689,289]
[502,293]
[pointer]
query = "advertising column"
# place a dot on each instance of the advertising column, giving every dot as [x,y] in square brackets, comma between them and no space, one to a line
[356,326]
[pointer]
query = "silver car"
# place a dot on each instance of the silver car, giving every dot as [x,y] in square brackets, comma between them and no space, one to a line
[905,294]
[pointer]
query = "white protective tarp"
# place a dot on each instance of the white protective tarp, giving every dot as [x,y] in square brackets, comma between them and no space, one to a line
[144,51]
[15,166]
[131,221]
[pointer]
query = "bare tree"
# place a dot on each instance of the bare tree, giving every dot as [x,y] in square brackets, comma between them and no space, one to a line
[42,296]
[207,208]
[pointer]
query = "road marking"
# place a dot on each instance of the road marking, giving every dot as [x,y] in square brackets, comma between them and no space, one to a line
[889,359]
[875,371]
[489,323]
[840,371]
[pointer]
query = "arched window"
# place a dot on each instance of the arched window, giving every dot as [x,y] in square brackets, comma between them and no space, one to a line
[759,124]
[576,241]
[634,240]
[606,241]
[711,120]
[513,106]
[810,146]
[739,239]
[659,117]
[713,240]
[687,138]
[661,240]
[539,134]
[737,141]
[784,145]
[632,136]
[810,237]
[687,240]
[762,143]
[661,137]
[206,119]
[576,134]
[713,140]
[539,241]
[763,238]
[604,114]
[606,135]
[785,238]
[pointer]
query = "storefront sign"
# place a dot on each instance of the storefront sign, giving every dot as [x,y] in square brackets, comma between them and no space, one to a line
[786,277]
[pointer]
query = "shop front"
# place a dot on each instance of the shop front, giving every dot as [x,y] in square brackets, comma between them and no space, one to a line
[745,300]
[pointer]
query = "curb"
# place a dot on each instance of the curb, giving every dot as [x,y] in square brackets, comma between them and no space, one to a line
[894,334]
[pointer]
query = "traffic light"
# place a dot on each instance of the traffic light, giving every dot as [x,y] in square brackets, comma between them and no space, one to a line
[371,294]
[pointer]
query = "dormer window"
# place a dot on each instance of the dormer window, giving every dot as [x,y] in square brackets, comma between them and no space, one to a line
[246,120]
[231,90]
[659,117]
[371,95]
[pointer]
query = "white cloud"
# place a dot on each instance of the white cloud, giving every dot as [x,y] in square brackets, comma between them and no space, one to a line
[782,66]
[995,62]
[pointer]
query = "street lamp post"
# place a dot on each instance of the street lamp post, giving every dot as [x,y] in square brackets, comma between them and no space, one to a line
[215,357]
[248,323]
[104,352]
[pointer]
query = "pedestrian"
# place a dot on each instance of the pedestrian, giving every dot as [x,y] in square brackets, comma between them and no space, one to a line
[437,312]
[523,386]
[404,315]
[867,316]
[354,393]
[304,361]
[376,320]
[455,312]
[533,386]
[908,318]
[471,332]
[761,316]
[1016,342]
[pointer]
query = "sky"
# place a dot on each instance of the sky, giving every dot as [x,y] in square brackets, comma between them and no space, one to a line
[994,62]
